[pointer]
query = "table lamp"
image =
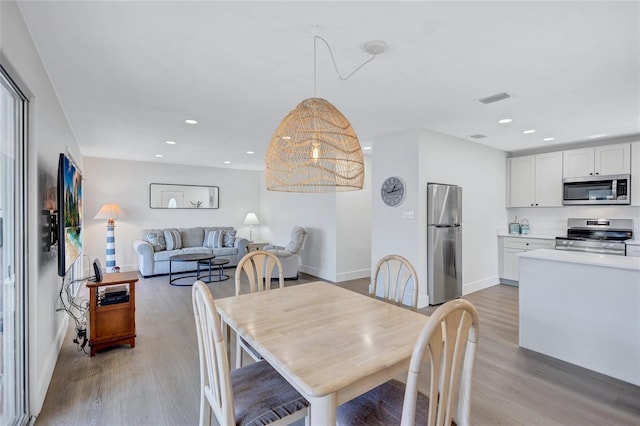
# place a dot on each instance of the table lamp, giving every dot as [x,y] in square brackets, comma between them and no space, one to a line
[110,212]
[251,219]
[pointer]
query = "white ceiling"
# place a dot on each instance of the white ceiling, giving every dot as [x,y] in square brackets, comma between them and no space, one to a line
[129,73]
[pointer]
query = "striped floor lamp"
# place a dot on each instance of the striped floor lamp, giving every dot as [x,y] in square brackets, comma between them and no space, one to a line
[110,212]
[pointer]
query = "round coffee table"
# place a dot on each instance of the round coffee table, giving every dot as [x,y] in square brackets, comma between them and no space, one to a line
[216,263]
[199,258]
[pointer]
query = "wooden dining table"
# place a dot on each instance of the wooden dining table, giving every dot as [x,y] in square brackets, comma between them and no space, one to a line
[330,343]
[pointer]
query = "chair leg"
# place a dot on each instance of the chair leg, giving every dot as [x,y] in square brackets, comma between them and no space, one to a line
[205,411]
[238,352]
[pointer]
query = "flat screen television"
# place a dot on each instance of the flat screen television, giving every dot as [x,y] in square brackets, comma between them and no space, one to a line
[69,214]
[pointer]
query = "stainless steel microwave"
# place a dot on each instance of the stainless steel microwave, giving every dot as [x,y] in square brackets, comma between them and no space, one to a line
[596,190]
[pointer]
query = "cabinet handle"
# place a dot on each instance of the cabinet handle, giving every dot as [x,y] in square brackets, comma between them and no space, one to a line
[597,173]
[536,204]
[531,204]
[590,174]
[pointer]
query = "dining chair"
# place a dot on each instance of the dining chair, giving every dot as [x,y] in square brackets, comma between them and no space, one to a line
[448,343]
[251,395]
[396,272]
[258,266]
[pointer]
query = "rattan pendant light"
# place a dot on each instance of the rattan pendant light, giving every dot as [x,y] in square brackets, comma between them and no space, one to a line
[315,149]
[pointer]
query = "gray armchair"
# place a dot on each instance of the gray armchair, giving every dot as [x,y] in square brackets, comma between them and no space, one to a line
[289,255]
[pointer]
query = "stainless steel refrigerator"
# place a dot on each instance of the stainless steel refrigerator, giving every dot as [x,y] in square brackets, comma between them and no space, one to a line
[444,242]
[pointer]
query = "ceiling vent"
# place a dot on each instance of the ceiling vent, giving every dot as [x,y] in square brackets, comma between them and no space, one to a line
[478,136]
[494,98]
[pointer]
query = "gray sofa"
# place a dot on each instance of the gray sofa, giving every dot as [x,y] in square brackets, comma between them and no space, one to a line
[154,250]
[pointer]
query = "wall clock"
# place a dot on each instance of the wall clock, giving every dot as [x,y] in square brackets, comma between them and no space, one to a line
[393,191]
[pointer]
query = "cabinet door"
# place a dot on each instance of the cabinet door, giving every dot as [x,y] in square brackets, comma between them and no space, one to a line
[635,174]
[511,264]
[613,159]
[521,182]
[577,162]
[548,182]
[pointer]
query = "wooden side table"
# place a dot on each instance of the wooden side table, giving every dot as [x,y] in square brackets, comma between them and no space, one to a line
[255,246]
[113,324]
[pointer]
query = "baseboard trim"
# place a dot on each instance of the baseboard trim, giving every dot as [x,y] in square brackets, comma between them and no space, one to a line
[49,365]
[480,284]
[353,275]
[315,272]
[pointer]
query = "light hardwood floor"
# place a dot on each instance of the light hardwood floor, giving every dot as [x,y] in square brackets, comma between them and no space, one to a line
[156,383]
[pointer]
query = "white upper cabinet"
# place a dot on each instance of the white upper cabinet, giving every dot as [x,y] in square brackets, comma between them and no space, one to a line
[535,180]
[597,161]
[635,174]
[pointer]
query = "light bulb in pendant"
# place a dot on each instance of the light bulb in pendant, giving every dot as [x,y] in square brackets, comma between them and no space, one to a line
[315,153]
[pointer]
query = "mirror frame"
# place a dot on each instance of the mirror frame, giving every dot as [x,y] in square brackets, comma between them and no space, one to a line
[214,196]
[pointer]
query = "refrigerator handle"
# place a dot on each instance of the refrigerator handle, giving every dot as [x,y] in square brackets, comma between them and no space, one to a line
[447,226]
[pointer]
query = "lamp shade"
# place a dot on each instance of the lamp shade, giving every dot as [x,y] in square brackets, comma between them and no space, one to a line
[109,211]
[251,219]
[314,149]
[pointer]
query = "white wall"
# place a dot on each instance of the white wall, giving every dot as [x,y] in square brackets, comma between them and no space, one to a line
[49,135]
[338,244]
[353,230]
[398,155]
[126,183]
[422,156]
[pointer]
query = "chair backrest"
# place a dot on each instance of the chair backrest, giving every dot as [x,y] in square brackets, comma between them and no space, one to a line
[215,380]
[298,236]
[396,272]
[258,267]
[449,339]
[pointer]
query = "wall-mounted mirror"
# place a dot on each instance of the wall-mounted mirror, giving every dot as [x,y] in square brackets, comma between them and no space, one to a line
[170,196]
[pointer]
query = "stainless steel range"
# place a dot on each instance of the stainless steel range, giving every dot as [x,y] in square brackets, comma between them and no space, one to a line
[606,236]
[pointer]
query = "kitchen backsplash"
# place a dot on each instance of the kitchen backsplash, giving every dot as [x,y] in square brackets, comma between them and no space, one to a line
[553,220]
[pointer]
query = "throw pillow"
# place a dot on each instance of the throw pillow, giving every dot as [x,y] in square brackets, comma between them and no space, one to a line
[229,238]
[172,239]
[156,239]
[214,239]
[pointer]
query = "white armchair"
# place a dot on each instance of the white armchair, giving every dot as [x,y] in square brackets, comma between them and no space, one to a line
[289,255]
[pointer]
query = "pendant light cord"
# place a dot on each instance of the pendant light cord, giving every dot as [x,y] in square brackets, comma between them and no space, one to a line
[335,66]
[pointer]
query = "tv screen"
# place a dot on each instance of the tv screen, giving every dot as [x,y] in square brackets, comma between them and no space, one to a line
[69,214]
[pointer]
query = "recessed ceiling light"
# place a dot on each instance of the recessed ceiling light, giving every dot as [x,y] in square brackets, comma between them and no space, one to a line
[366,147]
[286,138]
[526,132]
[250,152]
[171,142]
[227,162]
[549,139]
[190,121]
[599,135]
[159,155]
[505,121]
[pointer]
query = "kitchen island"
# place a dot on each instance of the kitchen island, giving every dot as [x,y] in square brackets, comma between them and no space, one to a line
[583,308]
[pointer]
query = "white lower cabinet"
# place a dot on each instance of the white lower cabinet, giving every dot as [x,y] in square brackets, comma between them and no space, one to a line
[633,250]
[509,262]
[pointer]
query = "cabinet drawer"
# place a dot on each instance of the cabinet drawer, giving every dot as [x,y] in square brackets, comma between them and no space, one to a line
[528,243]
[633,251]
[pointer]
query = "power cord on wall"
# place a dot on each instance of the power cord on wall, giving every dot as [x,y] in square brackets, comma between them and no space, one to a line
[77,311]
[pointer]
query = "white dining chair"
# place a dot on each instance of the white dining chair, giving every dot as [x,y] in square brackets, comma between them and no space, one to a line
[258,266]
[396,273]
[251,395]
[448,342]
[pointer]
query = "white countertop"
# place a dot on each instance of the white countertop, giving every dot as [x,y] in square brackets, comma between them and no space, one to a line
[534,236]
[606,260]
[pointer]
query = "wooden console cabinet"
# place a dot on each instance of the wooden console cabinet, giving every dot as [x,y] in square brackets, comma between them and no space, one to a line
[114,324]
